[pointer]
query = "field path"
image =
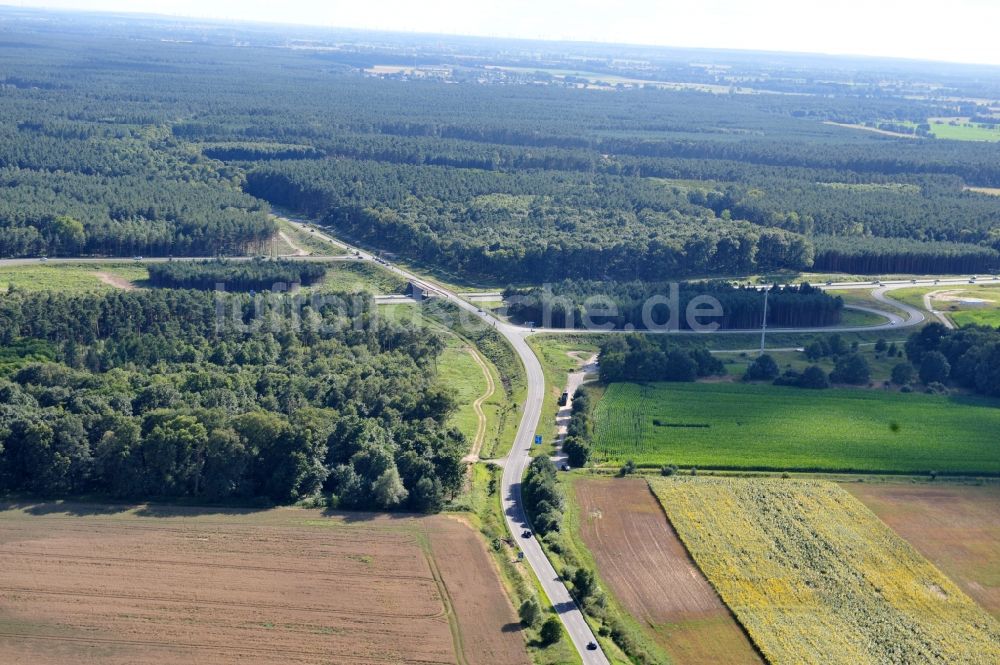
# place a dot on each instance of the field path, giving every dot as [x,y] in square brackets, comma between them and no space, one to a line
[940,316]
[477,406]
[291,243]
[644,564]
[116,281]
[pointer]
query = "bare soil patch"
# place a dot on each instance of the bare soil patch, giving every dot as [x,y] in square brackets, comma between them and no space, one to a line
[89,584]
[648,570]
[957,527]
[115,281]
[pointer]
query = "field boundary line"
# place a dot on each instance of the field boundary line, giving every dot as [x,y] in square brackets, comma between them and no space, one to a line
[228,648]
[447,606]
[219,603]
[694,562]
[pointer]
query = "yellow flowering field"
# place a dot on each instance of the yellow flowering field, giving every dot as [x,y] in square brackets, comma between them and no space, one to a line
[816,577]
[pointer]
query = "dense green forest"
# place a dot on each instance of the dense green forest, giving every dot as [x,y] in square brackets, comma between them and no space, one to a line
[169,393]
[259,274]
[176,147]
[642,305]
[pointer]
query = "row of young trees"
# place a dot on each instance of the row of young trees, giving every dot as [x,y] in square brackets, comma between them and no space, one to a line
[580,430]
[151,394]
[641,305]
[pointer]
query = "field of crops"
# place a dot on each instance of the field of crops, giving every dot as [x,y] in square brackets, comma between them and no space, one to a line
[730,425]
[815,577]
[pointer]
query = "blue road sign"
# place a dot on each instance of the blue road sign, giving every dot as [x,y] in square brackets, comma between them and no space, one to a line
[538,439]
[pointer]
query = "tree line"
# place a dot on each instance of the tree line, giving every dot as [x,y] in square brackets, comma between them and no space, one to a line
[571,304]
[259,274]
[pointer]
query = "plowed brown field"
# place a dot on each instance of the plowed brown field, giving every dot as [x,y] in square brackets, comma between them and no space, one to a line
[88,584]
[957,527]
[648,570]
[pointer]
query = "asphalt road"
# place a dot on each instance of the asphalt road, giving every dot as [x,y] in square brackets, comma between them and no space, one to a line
[516,463]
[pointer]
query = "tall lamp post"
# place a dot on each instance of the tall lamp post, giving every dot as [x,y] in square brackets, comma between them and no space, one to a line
[763,323]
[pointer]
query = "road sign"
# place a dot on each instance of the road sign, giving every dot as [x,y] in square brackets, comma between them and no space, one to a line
[538,439]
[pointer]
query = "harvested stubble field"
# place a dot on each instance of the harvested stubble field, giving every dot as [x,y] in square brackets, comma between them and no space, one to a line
[738,426]
[957,527]
[815,577]
[646,567]
[97,584]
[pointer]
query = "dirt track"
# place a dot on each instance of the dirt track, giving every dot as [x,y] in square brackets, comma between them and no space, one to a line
[115,281]
[647,568]
[283,586]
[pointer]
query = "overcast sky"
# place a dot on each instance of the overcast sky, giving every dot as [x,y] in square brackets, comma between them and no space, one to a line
[953,30]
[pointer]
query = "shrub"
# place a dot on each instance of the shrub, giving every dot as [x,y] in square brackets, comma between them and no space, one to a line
[577,451]
[551,631]
[529,612]
[852,369]
[937,388]
[934,368]
[813,377]
[903,374]
[763,368]
[668,470]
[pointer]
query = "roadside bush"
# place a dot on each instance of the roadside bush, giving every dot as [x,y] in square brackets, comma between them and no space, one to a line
[628,468]
[668,470]
[541,495]
[551,631]
[577,451]
[584,582]
[529,612]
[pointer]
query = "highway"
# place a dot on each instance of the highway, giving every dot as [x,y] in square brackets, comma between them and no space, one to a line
[162,259]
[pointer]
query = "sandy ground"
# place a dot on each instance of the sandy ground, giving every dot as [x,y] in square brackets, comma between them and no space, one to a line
[957,527]
[647,568]
[116,281]
[92,585]
[298,251]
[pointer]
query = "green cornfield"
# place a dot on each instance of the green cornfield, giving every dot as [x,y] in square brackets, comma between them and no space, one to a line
[737,426]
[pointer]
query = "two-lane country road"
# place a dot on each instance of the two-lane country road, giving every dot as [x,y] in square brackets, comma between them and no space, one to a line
[516,464]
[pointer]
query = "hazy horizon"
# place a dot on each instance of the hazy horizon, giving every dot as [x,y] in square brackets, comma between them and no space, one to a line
[895,30]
